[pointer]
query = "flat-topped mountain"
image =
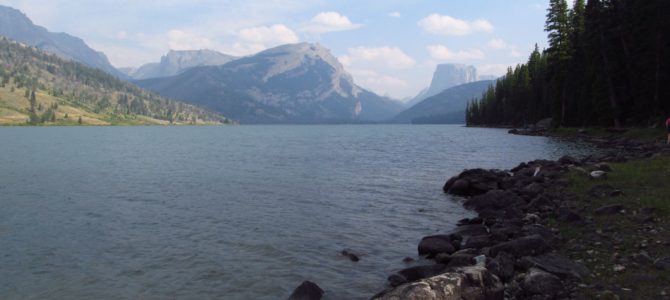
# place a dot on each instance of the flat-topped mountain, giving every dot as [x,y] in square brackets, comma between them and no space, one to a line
[176,62]
[446,76]
[296,83]
[17,26]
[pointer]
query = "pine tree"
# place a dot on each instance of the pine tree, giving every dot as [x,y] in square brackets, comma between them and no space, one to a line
[560,52]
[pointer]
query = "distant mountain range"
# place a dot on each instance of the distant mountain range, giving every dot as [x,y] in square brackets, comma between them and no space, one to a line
[297,83]
[40,88]
[16,26]
[176,62]
[447,107]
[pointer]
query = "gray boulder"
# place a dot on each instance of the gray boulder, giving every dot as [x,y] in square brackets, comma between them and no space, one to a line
[415,273]
[502,266]
[556,264]
[538,282]
[436,244]
[307,291]
[524,246]
[469,283]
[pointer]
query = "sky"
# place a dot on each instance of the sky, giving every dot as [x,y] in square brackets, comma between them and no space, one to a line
[391,47]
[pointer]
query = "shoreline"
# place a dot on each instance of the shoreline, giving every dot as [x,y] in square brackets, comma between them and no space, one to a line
[516,247]
[547,230]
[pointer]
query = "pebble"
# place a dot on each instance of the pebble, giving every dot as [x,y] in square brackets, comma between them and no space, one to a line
[619,268]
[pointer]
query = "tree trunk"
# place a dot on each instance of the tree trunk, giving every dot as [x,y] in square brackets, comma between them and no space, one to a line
[657,74]
[610,83]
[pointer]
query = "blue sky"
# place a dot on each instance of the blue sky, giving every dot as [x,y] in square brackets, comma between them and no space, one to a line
[390,46]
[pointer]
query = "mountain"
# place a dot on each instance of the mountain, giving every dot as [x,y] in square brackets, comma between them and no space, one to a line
[40,88]
[176,62]
[446,76]
[296,83]
[447,107]
[16,26]
[488,77]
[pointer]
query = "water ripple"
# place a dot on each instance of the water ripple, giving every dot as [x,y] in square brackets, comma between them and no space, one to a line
[240,212]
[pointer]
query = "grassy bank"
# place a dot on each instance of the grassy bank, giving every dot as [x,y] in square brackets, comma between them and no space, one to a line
[620,248]
[646,134]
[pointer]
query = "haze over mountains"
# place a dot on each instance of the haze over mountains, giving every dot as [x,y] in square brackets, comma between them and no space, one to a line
[296,83]
[446,76]
[447,107]
[176,62]
[16,26]
[40,88]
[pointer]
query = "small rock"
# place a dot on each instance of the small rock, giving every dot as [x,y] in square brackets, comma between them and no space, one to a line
[461,260]
[642,257]
[351,255]
[608,210]
[477,241]
[662,263]
[603,167]
[480,260]
[407,260]
[598,174]
[604,190]
[307,291]
[569,160]
[618,268]
[442,258]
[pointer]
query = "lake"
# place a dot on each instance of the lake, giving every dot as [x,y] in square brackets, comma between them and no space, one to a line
[230,212]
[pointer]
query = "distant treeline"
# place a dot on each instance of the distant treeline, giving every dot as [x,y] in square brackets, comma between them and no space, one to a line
[608,64]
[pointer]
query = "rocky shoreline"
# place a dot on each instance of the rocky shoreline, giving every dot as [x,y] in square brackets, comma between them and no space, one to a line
[509,251]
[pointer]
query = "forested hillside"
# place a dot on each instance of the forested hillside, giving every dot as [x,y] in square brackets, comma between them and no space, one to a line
[40,88]
[608,64]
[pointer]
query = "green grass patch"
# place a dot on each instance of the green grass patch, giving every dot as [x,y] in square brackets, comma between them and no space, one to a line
[645,183]
[604,241]
[647,134]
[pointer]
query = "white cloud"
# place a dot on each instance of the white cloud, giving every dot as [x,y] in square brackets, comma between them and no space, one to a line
[380,83]
[450,26]
[441,52]
[121,35]
[497,44]
[329,22]
[391,57]
[493,69]
[275,34]
[183,40]
[394,14]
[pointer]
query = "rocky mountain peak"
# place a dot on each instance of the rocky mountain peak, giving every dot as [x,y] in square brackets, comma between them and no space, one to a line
[15,25]
[286,58]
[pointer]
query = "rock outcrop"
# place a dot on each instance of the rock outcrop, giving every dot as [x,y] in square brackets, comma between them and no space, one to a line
[471,283]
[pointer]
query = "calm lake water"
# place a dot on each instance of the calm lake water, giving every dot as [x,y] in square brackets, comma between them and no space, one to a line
[237,212]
